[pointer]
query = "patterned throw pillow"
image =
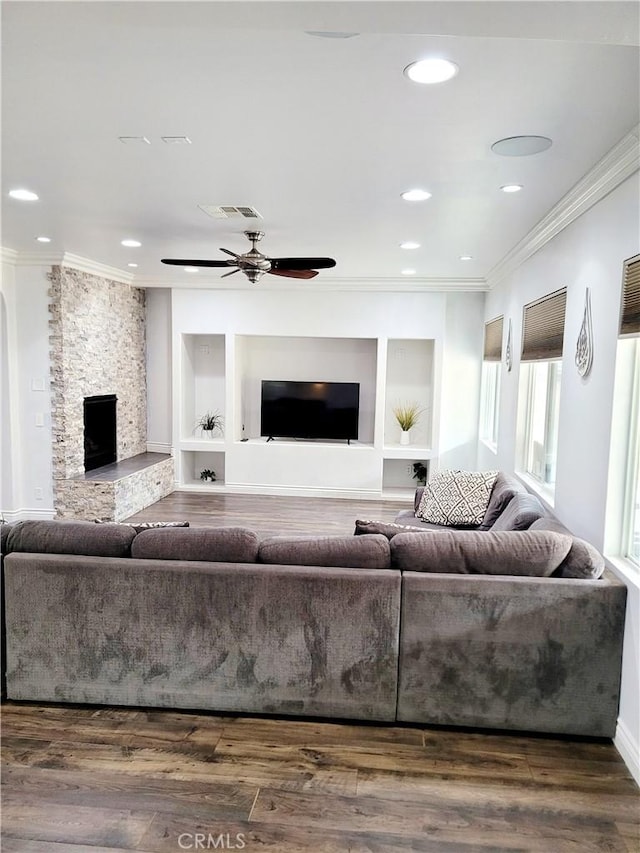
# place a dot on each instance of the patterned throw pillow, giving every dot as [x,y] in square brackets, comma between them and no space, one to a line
[456,497]
[387,528]
[139,526]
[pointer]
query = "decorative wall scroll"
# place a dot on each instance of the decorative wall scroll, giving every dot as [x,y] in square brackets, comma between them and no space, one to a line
[508,359]
[584,346]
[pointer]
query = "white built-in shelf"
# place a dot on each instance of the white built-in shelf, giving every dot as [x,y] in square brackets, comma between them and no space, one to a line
[407,451]
[202,444]
[202,486]
[310,442]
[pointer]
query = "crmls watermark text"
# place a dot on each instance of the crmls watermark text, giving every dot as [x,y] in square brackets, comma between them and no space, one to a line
[209,841]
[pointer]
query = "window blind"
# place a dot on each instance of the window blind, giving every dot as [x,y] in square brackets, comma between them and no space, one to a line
[543,327]
[493,340]
[630,312]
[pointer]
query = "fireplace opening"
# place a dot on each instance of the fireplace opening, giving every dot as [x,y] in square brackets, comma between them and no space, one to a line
[99,431]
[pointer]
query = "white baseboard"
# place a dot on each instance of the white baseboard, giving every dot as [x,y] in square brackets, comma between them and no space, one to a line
[283,491]
[628,749]
[28,514]
[158,448]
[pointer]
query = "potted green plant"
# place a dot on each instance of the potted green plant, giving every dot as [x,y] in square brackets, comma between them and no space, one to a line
[407,415]
[210,423]
[420,473]
[208,474]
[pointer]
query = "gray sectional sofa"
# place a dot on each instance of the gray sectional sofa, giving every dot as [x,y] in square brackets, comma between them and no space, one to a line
[497,629]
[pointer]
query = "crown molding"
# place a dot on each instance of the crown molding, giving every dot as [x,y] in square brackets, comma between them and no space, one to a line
[65,259]
[615,167]
[8,256]
[322,285]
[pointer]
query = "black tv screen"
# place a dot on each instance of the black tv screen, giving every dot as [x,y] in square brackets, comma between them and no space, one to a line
[309,409]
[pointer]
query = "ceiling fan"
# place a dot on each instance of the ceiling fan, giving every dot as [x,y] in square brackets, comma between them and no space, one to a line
[254,264]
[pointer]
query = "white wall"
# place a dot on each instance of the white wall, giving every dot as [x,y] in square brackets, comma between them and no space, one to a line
[27,488]
[265,319]
[158,339]
[588,253]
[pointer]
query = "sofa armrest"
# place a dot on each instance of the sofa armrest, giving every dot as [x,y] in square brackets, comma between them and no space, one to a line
[536,654]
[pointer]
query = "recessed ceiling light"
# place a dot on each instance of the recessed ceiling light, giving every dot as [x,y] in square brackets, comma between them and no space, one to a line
[23,195]
[466,257]
[511,188]
[408,272]
[135,140]
[191,269]
[131,244]
[521,146]
[132,265]
[416,195]
[431,70]
[43,239]
[176,140]
[409,244]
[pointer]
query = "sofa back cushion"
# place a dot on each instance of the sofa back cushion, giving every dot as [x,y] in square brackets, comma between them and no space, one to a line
[582,561]
[70,537]
[474,552]
[211,544]
[520,513]
[504,489]
[347,552]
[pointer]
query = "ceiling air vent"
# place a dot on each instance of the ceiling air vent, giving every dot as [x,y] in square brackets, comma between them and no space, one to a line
[230,211]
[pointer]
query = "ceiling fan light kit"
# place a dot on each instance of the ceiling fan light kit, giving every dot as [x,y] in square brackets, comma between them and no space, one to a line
[254,264]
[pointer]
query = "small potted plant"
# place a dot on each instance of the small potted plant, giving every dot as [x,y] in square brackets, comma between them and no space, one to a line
[208,474]
[407,415]
[210,423]
[420,473]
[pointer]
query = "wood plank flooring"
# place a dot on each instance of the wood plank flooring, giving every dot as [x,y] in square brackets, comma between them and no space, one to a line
[88,779]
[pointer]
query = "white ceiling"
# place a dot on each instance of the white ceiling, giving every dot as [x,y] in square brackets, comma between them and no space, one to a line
[319,135]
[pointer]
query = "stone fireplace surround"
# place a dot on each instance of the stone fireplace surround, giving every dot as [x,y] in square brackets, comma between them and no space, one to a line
[97,346]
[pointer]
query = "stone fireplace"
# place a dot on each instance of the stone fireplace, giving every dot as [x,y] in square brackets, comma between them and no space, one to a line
[97,343]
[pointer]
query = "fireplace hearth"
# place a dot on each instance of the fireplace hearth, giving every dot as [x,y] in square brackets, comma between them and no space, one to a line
[99,431]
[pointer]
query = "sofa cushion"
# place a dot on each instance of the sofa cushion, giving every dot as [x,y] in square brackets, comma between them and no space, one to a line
[504,489]
[582,561]
[386,528]
[474,552]
[520,513]
[70,537]
[456,497]
[346,552]
[211,544]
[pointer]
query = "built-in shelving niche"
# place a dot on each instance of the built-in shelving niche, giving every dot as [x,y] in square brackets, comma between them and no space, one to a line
[224,373]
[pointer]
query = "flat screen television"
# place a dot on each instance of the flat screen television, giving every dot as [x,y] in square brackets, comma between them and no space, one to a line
[326,410]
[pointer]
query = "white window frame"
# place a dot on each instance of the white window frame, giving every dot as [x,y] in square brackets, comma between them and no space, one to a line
[631,511]
[490,403]
[540,464]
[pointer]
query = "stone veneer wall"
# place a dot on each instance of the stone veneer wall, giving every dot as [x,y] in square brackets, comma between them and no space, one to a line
[97,347]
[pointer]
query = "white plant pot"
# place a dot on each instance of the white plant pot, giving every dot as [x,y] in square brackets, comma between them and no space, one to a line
[404,436]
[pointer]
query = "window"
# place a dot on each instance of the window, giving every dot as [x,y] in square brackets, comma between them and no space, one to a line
[490,402]
[490,393]
[630,335]
[632,503]
[541,431]
[540,384]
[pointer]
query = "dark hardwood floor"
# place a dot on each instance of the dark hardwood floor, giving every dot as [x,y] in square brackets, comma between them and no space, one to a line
[81,779]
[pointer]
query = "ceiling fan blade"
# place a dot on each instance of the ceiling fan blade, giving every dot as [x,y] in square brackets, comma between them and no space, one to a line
[233,272]
[294,273]
[182,262]
[302,263]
